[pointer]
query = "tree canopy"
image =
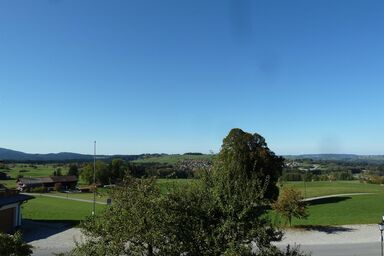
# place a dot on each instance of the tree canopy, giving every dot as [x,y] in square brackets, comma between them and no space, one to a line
[224,213]
[246,157]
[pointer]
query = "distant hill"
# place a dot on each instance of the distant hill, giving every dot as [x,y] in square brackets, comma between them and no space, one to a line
[17,156]
[12,155]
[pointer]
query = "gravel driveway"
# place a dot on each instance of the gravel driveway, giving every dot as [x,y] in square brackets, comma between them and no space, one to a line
[49,238]
[347,234]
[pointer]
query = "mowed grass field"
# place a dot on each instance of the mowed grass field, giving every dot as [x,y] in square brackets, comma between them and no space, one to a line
[55,209]
[358,209]
[101,195]
[324,188]
[340,210]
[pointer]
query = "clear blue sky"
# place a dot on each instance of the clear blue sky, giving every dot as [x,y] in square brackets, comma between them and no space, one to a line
[175,76]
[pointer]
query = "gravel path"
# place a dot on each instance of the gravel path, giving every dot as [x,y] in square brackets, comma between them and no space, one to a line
[46,241]
[48,238]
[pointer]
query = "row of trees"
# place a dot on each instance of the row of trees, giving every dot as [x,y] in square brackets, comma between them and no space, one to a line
[106,173]
[118,168]
[298,175]
[224,214]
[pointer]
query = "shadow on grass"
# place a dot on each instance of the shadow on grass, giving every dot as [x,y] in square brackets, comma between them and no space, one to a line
[40,229]
[325,229]
[328,200]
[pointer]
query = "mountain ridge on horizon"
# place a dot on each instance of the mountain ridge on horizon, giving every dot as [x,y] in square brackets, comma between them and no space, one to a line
[14,155]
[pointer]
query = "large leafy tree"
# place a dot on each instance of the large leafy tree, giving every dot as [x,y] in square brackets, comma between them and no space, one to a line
[222,214]
[245,157]
[243,183]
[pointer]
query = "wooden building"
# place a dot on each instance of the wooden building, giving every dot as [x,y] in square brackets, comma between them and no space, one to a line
[10,209]
[66,182]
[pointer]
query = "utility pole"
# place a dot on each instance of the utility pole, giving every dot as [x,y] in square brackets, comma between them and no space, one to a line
[94,178]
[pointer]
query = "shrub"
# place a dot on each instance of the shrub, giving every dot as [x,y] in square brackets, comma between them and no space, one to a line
[290,204]
[13,245]
[41,189]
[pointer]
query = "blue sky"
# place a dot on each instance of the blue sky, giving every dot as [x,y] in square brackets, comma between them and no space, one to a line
[175,76]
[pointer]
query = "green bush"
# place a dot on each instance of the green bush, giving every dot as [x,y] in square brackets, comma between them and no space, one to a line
[13,245]
[41,189]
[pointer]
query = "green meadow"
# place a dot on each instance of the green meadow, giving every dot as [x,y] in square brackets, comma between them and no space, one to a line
[30,170]
[55,209]
[324,188]
[340,210]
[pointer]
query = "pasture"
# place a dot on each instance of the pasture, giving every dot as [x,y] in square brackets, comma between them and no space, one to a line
[46,208]
[324,188]
[354,209]
[30,170]
[340,210]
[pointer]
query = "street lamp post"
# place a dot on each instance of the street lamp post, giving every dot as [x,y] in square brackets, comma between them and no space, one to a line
[94,178]
[381,228]
[305,184]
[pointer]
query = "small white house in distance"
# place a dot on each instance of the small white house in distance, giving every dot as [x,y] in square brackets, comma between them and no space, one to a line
[10,209]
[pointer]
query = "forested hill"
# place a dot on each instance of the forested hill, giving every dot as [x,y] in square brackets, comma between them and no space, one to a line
[12,155]
[18,156]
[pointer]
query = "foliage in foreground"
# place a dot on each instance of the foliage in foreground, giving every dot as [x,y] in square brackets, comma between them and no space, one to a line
[13,245]
[290,204]
[225,214]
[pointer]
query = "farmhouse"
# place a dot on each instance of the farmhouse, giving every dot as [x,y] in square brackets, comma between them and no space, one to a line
[66,182]
[10,210]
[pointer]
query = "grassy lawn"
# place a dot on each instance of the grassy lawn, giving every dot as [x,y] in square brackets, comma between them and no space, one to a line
[359,209]
[322,188]
[341,210]
[101,195]
[45,208]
